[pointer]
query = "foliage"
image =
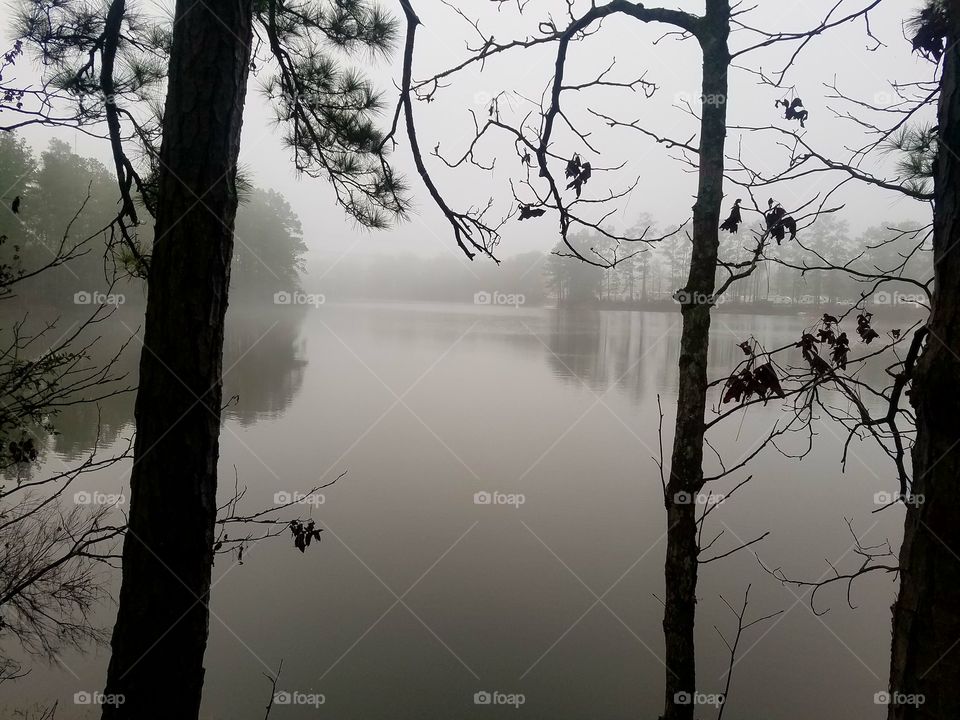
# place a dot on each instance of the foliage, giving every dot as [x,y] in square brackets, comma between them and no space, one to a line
[110,61]
[269,249]
[49,580]
[570,280]
[916,148]
[928,29]
[269,246]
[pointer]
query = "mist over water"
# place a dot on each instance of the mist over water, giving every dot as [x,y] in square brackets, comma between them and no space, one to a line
[485,470]
[500,528]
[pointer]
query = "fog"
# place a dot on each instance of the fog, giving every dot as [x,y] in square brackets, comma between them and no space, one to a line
[498,429]
[845,57]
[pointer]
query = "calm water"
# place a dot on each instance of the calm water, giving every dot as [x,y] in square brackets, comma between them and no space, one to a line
[418,597]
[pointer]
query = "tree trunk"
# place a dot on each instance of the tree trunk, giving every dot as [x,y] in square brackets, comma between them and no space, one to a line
[686,464]
[163,619]
[925,658]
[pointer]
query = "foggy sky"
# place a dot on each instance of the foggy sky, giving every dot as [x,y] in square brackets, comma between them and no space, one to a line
[666,188]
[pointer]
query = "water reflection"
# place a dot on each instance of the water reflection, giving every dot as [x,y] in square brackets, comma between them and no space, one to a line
[502,399]
[265,355]
[614,348]
[264,363]
[264,360]
[635,351]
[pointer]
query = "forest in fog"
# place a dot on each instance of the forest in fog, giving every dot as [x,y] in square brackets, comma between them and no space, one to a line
[513,358]
[271,256]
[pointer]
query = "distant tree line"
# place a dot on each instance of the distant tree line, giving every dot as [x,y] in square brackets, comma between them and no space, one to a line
[270,251]
[646,279]
[53,187]
[654,275]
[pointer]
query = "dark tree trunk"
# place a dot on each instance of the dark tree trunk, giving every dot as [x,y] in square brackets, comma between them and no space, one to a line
[162,623]
[925,657]
[686,463]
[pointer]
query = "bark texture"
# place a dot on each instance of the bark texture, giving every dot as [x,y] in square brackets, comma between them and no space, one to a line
[686,463]
[163,619]
[925,658]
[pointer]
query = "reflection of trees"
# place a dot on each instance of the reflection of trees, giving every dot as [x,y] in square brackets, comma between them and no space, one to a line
[263,362]
[266,361]
[600,348]
[575,346]
[81,427]
[637,351]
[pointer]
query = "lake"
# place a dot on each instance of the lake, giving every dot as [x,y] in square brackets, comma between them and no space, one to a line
[500,527]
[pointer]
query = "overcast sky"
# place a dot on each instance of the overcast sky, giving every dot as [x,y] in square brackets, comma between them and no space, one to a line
[665,189]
